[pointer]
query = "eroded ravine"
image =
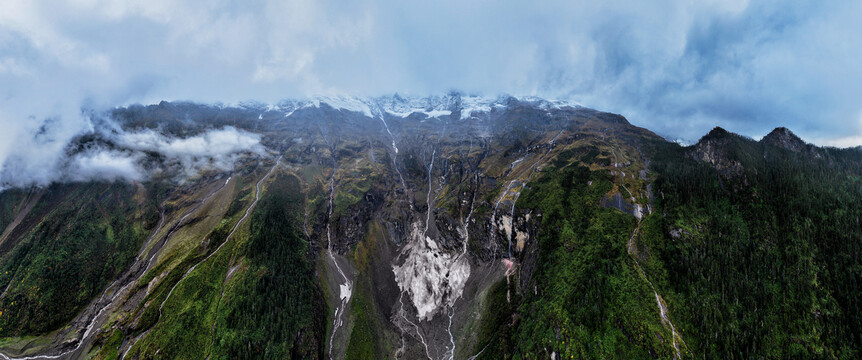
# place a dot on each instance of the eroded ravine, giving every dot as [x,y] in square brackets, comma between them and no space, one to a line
[465,239]
[431,277]
[412,261]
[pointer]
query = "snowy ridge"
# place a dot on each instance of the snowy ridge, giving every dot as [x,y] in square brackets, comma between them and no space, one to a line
[432,106]
[397,106]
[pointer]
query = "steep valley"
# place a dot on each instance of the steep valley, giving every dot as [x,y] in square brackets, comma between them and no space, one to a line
[448,227]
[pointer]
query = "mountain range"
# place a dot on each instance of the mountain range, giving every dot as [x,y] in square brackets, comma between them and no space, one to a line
[447,227]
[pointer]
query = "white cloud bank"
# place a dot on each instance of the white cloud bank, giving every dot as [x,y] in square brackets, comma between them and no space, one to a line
[105,165]
[216,149]
[40,155]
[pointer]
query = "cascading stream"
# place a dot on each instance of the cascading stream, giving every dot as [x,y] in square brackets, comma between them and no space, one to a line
[663,312]
[395,158]
[346,288]
[661,306]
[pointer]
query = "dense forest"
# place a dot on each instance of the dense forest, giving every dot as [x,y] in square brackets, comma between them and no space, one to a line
[87,235]
[765,259]
[276,310]
[586,299]
[755,250]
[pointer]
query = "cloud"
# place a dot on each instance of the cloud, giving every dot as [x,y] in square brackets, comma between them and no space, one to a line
[35,150]
[213,143]
[47,154]
[106,165]
[213,149]
[675,66]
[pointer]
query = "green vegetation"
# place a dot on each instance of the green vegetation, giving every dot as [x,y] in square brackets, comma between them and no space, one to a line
[190,311]
[756,251]
[111,345]
[91,235]
[590,301]
[364,336]
[256,298]
[764,260]
[275,309]
[351,192]
[753,255]
[368,333]
[496,320]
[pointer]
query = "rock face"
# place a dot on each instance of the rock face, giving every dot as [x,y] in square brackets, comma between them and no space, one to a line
[713,149]
[784,138]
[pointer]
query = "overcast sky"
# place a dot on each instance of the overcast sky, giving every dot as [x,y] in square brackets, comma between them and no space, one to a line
[676,67]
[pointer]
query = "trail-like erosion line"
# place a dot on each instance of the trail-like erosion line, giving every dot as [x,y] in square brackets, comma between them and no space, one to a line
[480,351]
[29,202]
[165,239]
[238,223]
[218,304]
[101,304]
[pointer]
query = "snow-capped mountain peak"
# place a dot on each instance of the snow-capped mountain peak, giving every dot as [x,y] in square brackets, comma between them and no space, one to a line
[399,106]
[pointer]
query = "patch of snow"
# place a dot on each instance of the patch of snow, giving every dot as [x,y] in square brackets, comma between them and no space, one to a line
[549,104]
[475,104]
[433,278]
[404,106]
[344,103]
[682,142]
[345,291]
[428,113]
[438,113]
[433,106]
